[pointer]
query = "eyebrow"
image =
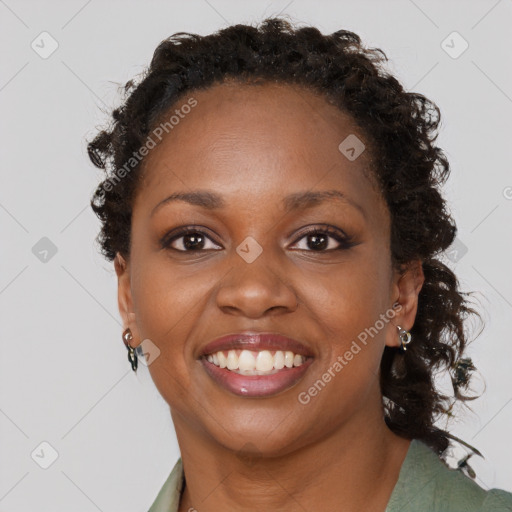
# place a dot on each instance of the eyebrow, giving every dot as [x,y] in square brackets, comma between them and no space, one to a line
[296,201]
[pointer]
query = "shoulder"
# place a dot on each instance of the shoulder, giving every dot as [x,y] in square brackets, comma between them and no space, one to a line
[497,500]
[454,491]
[168,498]
[425,483]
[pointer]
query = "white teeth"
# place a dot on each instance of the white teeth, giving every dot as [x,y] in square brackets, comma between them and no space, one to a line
[223,361]
[232,362]
[279,360]
[264,361]
[288,359]
[248,362]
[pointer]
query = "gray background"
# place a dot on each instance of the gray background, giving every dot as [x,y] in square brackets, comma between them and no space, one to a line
[64,376]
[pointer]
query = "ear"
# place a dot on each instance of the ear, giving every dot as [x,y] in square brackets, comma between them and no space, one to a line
[124,298]
[406,288]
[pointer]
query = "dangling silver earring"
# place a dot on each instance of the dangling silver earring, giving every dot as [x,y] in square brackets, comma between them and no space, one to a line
[405,338]
[132,357]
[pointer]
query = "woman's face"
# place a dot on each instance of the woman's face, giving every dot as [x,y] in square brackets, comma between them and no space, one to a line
[249,265]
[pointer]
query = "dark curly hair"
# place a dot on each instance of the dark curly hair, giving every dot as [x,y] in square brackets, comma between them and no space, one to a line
[400,129]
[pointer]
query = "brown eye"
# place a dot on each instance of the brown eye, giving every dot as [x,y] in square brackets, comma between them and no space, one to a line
[324,240]
[188,240]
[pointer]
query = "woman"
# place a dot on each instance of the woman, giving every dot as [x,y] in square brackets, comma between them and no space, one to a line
[272,207]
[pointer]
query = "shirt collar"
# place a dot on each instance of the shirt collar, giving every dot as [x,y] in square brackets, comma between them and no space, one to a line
[416,474]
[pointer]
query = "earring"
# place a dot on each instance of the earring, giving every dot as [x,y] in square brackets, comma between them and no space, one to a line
[405,338]
[127,337]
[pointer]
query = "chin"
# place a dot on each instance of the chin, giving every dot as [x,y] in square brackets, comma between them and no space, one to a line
[268,437]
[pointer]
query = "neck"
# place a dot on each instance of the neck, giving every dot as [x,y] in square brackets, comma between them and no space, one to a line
[354,467]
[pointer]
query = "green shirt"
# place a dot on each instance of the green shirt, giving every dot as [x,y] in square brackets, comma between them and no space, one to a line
[425,484]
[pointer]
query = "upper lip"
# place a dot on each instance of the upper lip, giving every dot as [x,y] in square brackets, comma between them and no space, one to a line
[255,341]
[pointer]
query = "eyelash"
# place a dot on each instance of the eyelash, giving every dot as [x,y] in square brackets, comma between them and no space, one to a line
[345,241]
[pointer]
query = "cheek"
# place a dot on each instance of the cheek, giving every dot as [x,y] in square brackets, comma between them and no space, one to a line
[164,296]
[349,306]
[350,297]
[169,303]
[349,314]
[165,309]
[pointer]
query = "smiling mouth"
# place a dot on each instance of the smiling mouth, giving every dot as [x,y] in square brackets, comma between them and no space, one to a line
[250,362]
[256,374]
[255,364]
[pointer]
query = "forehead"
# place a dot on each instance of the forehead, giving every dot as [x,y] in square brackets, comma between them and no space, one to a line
[261,110]
[257,137]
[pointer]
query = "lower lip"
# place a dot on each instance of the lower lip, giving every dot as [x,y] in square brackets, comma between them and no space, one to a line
[256,385]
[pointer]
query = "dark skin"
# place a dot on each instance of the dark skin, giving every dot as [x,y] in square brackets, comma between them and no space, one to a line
[254,145]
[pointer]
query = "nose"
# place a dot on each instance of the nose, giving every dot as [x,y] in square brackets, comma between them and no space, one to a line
[255,289]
